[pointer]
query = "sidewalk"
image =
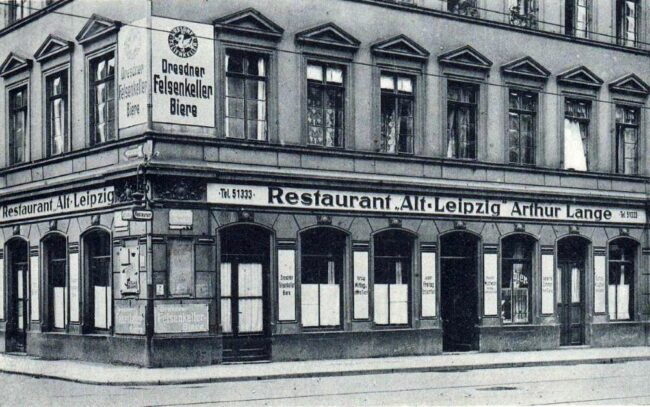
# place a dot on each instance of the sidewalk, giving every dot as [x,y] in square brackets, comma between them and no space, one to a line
[104,374]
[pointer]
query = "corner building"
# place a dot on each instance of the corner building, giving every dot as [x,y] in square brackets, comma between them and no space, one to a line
[191,183]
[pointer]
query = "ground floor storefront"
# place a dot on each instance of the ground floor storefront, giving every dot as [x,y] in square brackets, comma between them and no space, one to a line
[221,271]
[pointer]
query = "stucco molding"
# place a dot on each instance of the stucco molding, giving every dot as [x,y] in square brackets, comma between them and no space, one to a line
[249,22]
[328,35]
[400,46]
[580,76]
[51,47]
[13,64]
[97,27]
[526,67]
[465,57]
[630,84]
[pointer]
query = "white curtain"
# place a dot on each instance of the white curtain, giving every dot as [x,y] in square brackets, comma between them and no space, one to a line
[226,317]
[574,148]
[398,303]
[251,310]
[59,307]
[309,304]
[381,304]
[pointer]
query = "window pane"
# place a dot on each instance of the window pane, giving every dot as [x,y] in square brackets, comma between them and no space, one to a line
[387,82]
[388,123]
[234,62]
[315,72]
[334,75]
[235,87]
[405,85]
[574,147]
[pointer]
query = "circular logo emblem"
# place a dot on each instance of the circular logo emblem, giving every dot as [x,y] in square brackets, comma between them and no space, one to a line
[183,42]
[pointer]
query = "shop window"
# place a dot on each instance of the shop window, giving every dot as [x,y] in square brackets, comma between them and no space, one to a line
[97,254]
[393,252]
[246,95]
[463,7]
[17,125]
[576,134]
[622,253]
[627,19]
[322,262]
[523,13]
[516,279]
[522,127]
[462,107]
[397,113]
[627,139]
[577,16]
[55,260]
[56,93]
[325,104]
[102,98]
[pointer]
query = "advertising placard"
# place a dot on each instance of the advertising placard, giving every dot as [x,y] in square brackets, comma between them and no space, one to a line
[133,76]
[129,318]
[180,318]
[286,285]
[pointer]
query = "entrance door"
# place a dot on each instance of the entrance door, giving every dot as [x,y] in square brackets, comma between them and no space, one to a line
[571,302]
[459,291]
[244,290]
[18,296]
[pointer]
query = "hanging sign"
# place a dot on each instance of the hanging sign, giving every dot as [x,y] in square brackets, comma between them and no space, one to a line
[416,204]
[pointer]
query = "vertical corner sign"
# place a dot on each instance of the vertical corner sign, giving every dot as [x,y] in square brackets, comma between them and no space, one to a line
[182,74]
[133,76]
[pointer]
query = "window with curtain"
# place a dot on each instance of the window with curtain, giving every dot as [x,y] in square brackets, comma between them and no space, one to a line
[627,19]
[97,253]
[17,124]
[246,95]
[576,134]
[322,262]
[463,7]
[56,261]
[620,298]
[56,90]
[627,139]
[522,126]
[523,13]
[393,251]
[325,104]
[102,99]
[516,279]
[462,112]
[577,18]
[397,113]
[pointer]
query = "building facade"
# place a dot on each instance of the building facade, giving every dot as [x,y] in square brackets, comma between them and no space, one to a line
[188,183]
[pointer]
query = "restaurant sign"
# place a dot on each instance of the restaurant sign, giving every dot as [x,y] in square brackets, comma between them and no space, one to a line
[58,204]
[416,204]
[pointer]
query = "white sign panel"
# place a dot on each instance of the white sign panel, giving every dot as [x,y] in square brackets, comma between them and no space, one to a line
[74,287]
[58,204]
[600,284]
[34,284]
[360,285]
[548,284]
[287,285]
[428,285]
[180,219]
[335,200]
[133,79]
[180,318]
[182,72]
[490,283]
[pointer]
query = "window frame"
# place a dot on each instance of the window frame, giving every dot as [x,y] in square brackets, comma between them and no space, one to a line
[571,22]
[591,123]
[47,99]
[536,142]
[531,244]
[50,312]
[324,64]
[633,246]
[91,105]
[397,96]
[88,319]
[11,90]
[639,120]
[620,24]
[477,116]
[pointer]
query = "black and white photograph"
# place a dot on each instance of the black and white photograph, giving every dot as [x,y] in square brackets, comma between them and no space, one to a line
[324,202]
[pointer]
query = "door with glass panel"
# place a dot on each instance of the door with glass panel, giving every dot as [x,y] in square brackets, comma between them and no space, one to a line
[244,293]
[18,296]
[571,291]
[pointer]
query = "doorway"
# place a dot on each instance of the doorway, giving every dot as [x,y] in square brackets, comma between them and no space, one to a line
[459,291]
[244,292]
[17,294]
[571,263]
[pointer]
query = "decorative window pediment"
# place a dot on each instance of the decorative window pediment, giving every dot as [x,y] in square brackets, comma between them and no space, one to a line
[465,57]
[97,27]
[526,67]
[51,47]
[328,35]
[580,76]
[631,84]
[400,46]
[250,22]
[13,64]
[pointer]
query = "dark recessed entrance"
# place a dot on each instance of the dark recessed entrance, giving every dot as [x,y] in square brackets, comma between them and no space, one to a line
[459,291]
[244,289]
[571,263]
[17,295]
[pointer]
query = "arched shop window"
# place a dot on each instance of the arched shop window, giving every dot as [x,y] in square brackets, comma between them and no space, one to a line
[97,256]
[55,260]
[622,253]
[322,261]
[516,278]
[393,253]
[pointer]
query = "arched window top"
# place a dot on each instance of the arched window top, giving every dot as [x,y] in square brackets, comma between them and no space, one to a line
[456,244]
[322,240]
[517,246]
[393,242]
[622,248]
[245,238]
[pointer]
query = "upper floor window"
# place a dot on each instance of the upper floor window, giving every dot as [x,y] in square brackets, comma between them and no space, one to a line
[523,13]
[578,18]
[56,90]
[462,108]
[627,139]
[522,127]
[576,134]
[325,104]
[463,7]
[246,95]
[397,113]
[627,19]
[17,10]
[102,98]
[17,125]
